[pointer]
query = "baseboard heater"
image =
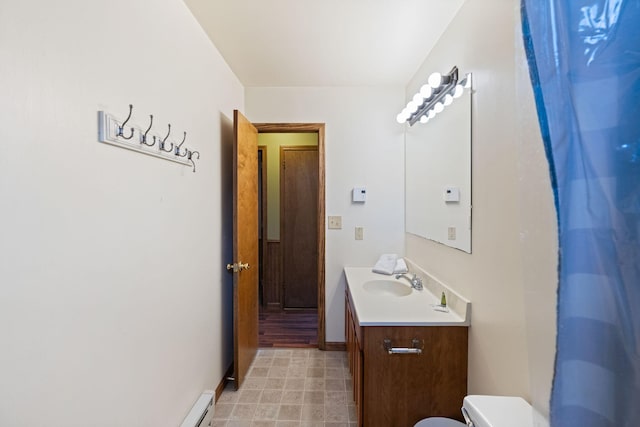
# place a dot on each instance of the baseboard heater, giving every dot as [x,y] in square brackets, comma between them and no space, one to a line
[201,414]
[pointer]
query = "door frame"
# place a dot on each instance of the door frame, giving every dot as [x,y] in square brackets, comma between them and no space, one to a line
[262,149]
[317,128]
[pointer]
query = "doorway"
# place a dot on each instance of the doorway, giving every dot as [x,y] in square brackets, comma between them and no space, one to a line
[292,269]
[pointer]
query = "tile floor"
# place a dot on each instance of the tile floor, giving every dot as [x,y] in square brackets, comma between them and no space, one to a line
[291,387]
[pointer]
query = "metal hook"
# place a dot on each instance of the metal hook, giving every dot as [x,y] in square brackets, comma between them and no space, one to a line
[190,154]
[121,128]
[162,143]
[143,138]
[177,147]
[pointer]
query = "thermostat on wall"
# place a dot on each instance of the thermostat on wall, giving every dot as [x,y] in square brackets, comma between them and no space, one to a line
[359,194]
[451,194]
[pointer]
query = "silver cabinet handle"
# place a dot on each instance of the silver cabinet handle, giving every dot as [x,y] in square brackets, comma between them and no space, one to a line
[416,347]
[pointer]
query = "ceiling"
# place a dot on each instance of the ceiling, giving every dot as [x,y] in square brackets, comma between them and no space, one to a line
[324,42]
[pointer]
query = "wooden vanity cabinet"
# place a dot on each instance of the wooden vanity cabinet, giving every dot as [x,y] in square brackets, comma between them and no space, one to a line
[401,389]
[353,334]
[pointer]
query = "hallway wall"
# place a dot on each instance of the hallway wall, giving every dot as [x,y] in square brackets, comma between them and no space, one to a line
[114,306]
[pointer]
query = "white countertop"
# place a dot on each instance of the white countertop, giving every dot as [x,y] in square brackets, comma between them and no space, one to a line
[415,309]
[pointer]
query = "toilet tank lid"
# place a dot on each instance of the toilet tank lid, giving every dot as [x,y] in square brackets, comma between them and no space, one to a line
[498,411]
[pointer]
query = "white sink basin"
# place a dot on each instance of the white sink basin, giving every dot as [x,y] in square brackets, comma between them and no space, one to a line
[387,288]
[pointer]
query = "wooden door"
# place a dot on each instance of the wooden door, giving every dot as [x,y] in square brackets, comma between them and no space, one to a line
[299,226]
[245,246]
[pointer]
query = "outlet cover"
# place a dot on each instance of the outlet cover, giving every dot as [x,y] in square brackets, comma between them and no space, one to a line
[452,233]
[359,233]
[335,222]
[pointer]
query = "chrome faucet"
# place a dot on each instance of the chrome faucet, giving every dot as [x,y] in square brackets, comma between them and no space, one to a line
[416,282]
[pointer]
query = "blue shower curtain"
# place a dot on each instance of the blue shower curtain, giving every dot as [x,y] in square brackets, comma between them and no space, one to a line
[584,62]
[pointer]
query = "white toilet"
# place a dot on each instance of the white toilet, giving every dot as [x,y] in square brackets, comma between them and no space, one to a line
[488,411]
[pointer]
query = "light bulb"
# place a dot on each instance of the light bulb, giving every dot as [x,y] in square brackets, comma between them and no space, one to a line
[448,99]
[431,114]
[435,79]
[424,119]
[400,118]
[438,108]
[426,91]
[457,93]
[417,98]
[412,107]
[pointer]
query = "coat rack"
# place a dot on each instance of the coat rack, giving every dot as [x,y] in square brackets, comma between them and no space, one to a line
[122,134]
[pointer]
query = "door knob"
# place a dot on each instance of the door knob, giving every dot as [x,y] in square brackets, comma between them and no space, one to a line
[236,267]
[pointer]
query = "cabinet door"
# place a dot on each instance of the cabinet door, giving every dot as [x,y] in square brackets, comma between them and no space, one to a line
[356,360]
[358,384]
[401,389]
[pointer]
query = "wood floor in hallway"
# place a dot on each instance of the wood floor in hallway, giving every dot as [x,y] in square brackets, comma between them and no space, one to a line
[290,328]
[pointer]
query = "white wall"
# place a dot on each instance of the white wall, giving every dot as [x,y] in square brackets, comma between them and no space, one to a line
[114,308]
[538,241]
[511,342]
[364,147]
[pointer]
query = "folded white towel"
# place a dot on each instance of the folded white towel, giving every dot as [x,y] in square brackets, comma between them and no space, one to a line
[386,264]
[401,267]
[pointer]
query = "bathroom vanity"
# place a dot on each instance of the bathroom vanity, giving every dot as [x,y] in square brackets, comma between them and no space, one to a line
[407,356]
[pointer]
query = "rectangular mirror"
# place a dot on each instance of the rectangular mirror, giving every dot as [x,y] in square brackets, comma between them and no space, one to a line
[438,176]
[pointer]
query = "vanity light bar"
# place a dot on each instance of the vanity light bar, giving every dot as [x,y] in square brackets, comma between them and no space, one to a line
[439,92]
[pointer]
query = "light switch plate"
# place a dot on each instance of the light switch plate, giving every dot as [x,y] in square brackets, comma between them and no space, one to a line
[335,222]
[359,233]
